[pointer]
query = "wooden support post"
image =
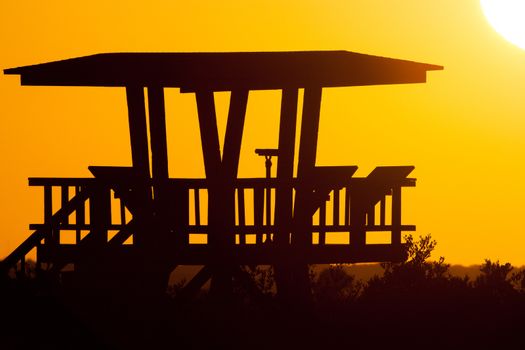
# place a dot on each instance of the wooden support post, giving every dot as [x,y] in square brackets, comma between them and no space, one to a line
[285,164]
[358,211]
[221,175]
[234,131]
[284,190]
[64,198]
[197,206]
[48,213]
[181,214]
[382,211]
[100,214]
[371,215]
[140,157]
[301,236]
[347,205]
[336,207]
[157,123]
[322,224]
[396,216]
[138,130]
[80,217]
[209,134]
[258,211]
[242,216]
[306,163]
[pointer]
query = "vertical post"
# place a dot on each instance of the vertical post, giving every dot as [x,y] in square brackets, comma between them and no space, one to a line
[138,130]
[382,210]
[396,215]
[140,156]
[371,215]
[221,175]
[157,123]
[285,163]
[64,197]
[234,131]
[322,224]
[284,190]
[48,213]
[80,218]
[197,206]
[258,209]
[242,216]
[100,214]
[347,205]
[268,190]
[306,162]
[358,210]
[303,210]
[336,207]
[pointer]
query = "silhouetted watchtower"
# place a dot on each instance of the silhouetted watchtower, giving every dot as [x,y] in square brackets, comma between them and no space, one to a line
[158,215]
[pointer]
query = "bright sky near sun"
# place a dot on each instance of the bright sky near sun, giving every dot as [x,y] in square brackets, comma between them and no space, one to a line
[506,16]
[464,129]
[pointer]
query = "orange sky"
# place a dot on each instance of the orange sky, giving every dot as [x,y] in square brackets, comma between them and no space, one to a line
[463,130]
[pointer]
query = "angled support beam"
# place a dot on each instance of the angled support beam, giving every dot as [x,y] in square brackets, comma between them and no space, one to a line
[234,131]
[221,174]
[211,150]
[194,285]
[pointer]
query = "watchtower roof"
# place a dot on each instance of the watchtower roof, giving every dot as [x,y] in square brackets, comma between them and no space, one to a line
[226,71]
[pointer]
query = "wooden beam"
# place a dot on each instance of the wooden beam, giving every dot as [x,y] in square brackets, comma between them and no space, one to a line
[157,123]
[309,131]
[306,163]
[396,216]
[285,163]
[137,129]
[234,131]
[284,190]
[209,135]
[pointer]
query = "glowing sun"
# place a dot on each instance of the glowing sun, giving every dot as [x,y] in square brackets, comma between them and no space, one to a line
[508,19]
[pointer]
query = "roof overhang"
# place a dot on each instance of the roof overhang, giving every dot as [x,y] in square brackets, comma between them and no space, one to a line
[226,71]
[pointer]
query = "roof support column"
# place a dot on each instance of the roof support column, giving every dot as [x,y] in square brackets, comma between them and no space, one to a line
[221,175]
[138,133]
[284,193]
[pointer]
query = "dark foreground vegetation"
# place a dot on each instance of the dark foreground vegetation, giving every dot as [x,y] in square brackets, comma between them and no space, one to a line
[417,304]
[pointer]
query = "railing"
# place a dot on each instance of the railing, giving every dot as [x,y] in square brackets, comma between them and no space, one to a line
[88,214]
[84,215]
[255,209]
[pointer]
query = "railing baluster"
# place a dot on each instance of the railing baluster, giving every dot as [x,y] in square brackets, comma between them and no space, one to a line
[197,207]
[242,215]
[64,198]
[100,214]
[347,205]
[396,216]
[382,211]
[336,207]
[371,215]
[80,216]
[122,213]
[48,213]
[258,206]
[322,224]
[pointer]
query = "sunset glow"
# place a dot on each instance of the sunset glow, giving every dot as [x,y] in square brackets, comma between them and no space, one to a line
[463,130]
